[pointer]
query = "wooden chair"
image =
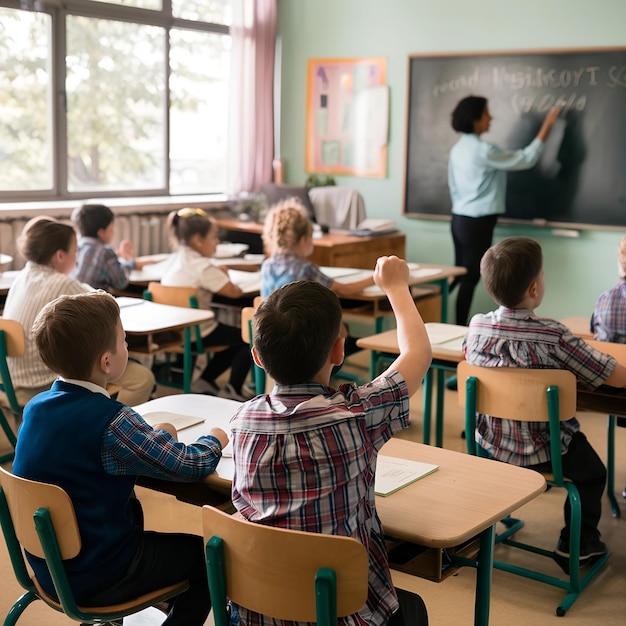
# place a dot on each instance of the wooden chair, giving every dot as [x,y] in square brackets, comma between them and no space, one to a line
[537,395]
[12,344]
[618,351]
[260,378]
[40,518]
[183,297]
[285,574]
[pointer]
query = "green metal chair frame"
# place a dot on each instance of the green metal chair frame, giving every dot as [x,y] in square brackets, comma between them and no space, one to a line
[286,574]
[18,505]
[540,401]
[6,385]
[188,351]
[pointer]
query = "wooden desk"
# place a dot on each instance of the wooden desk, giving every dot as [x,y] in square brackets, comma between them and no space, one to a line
[465,497]
[446,341]
[146,319]
[375,303]
[337,249]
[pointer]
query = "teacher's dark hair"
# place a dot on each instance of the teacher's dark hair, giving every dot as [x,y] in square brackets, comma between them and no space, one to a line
[468,111]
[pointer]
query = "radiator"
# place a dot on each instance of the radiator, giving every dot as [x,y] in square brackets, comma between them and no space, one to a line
[147,231]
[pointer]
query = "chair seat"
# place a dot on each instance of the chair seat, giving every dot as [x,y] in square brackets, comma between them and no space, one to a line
[136,604]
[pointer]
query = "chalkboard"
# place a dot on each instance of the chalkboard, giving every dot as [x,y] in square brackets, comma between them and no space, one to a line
[581,177]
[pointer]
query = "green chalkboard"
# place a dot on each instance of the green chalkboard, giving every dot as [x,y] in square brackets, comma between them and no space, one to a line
[581,177]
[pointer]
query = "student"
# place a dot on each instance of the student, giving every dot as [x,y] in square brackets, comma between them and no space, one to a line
[288,241]
[513,336]
[608,322]
[98,264]
[191,266]
[305,454]
[77,437]
[49,247]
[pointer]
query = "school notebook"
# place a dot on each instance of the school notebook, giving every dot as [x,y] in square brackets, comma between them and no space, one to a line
[392,473]
[178,421]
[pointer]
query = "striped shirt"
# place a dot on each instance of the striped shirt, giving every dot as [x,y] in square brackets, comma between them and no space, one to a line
[608,322]
[34,286]
[99,266]
[284,268]
[518,338]
[305,457]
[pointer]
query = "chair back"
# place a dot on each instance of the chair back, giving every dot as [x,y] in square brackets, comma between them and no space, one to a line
[273,570]
[526,395]
[174,296]
[12,344]
[247,313]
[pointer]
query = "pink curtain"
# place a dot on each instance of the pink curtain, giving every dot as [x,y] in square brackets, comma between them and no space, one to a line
[251,124]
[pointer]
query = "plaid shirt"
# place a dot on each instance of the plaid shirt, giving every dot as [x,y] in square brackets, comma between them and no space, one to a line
[305,457]
[284,268]
[608,321]
[518,338]
[98,265]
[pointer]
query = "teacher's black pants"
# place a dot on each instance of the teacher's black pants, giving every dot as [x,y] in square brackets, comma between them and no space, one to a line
[472,236]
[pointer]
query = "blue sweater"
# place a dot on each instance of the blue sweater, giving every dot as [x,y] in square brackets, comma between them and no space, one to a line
[59,442]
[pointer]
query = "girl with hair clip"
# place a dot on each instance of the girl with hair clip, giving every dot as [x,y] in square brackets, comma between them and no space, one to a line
[195,235]
[49,247]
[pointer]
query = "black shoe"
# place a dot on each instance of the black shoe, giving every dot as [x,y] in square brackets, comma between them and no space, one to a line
[588,549]
[451,383]
[624,493]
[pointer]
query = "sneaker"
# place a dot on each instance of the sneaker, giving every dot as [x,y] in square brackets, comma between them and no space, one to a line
[205,386]
[451,383]
[588,549]
[624,493]
[228,391]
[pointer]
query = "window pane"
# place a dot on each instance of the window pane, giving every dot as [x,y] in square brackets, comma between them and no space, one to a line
[198,111]
[216,11]
[156,5]
[115,105]
[25,101]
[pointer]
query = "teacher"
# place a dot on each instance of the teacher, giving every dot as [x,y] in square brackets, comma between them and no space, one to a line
[477,182]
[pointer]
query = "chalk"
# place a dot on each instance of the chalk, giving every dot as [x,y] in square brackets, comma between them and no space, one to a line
[565,232]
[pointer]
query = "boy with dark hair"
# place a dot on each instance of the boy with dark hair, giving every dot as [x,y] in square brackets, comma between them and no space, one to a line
[75,436]
[513,336]
[97,264]
[305,455]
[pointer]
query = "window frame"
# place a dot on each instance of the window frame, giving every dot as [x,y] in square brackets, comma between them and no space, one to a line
[58,10]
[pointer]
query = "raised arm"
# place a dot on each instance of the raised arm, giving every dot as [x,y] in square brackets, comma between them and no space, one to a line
[392,276]
[548,123]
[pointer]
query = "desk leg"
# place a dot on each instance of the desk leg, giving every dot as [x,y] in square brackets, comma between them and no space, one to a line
[484,570]
[187,364]
[610,466]
[441,382]
[445,292]
[428,400]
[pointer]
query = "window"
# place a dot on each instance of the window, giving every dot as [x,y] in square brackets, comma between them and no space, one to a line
[124,97]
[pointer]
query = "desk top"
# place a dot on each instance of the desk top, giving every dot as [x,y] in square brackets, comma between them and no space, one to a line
[446,341]
[464,496]
[147,317]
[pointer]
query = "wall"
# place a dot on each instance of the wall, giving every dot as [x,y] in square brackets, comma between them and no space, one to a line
[577,270]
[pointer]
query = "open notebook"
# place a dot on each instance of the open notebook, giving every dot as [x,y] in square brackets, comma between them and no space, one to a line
[392,473]
[178,421]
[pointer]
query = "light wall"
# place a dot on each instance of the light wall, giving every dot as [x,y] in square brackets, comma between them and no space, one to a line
[577,270]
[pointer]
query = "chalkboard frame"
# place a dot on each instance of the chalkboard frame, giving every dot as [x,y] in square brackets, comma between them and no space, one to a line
[419,126]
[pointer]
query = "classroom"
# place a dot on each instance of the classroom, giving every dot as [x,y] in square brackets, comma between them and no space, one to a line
[578,264]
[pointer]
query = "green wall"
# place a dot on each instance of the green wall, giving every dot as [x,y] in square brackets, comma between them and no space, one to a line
[577,270]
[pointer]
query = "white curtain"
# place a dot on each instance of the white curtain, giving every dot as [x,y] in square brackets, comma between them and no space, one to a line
[251,123]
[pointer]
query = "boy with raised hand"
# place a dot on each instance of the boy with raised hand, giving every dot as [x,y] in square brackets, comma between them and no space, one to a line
[305,454]
[75,436]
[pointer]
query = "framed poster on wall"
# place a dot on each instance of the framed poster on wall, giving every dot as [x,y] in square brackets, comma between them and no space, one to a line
[347,117]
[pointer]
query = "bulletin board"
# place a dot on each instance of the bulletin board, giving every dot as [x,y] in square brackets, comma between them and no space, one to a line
[347,117]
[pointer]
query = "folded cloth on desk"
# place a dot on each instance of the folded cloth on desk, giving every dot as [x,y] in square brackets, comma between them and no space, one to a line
[337,207]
